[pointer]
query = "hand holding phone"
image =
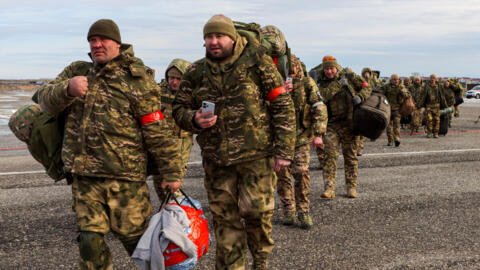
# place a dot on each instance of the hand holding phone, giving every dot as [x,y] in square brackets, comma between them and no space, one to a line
[208,107]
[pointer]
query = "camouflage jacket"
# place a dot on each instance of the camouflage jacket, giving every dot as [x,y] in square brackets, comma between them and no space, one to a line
[104,136]
[339,98]
[310,112]
[449,94]
[416,92]
[395,94]
[249,125]
[167,99]
[432,96]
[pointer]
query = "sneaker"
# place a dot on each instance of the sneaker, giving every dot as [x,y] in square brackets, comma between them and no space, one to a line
[288,218]
[305,220]
[397,143]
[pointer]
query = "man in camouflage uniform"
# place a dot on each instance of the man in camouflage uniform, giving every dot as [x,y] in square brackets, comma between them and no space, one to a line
[395,93]
[311,121]
[432,99]
[341,91]
[169,86]
[251,134]
[367,76]
[113,121]
[458,90]
[446,88]
[415,90]
[407,82]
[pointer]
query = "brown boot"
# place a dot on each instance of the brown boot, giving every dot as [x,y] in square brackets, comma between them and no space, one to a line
[259,265]
[329,192]
[352,193]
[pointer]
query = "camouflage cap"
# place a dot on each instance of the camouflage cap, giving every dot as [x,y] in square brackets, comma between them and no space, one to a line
[21,122]
[275,42]
[179,64]
[220,24]
[365,70]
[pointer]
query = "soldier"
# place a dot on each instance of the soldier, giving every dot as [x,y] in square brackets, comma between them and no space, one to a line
[407,82]
[449,94]
[367,75]
[113,120]
[251,134]
[395,94]
[432,100]
[458,90]
[169,86]
[341,91]
[415,90]
[311,120]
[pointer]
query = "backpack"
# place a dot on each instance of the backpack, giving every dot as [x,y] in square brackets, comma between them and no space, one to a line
[372,116]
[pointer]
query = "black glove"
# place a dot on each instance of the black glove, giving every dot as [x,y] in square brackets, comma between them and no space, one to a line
[356,100]
[344,81]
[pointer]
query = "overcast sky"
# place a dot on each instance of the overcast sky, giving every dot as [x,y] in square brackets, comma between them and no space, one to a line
[39,38]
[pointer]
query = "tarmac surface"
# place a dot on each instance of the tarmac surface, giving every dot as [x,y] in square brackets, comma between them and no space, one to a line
[418,207]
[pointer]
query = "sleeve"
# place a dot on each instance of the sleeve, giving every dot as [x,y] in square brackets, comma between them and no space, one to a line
[319,109]
[183,109]
[53,97]
[163,150]
[280,107]
[361,87]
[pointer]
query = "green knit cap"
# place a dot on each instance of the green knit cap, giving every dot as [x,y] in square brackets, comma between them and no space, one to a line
[330,61]
[106,28]
[220,24]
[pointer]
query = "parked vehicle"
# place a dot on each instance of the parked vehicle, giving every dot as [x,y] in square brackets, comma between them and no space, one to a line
[474,92]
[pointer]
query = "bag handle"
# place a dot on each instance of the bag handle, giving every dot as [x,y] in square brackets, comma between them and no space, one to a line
[171,196]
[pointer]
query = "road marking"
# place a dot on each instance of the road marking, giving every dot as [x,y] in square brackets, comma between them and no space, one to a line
[16,173]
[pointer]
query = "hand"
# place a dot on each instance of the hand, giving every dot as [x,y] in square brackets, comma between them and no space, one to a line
[77,86]
[344,81]
[356,100]
[202,121]
[317,142]
[280,164]
[288,86]
[171,186]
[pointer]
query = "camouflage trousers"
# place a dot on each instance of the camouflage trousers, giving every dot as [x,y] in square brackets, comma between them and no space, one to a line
[416,120]
[393,129]
[185,148]
[360,144]
[433,119]
[457,111]
[102,205]
[321,156]
[340,133]
[300,200]
[241,199]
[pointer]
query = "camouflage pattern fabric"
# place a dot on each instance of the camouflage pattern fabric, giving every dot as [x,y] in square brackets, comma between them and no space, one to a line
[100,206]
[244,190]
[360,144]
[340,127]
[340,133]
[395,94]
[433,118]
[393,128]
[178,63]
[103,134]
[21,121]
[416,92]
[300,199]
[274,41]
[248,127]
[432,95]
[321,156]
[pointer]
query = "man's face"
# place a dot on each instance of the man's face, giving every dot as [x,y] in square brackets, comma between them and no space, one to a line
[219,46]
[103,49]
[433,80]
[395,81]
[366,75]
[174,82]
[330,72]
[417,81]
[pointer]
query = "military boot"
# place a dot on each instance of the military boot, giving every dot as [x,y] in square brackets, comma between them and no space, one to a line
[288,218]
[397,143]
[429,135]
[329,192]
[305,220]
[352,192]
[259,264]
[435,135]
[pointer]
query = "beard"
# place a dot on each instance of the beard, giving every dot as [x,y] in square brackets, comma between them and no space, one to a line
[219,57]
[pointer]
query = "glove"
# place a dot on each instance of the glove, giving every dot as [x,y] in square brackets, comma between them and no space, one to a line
[356,100]
[344,81]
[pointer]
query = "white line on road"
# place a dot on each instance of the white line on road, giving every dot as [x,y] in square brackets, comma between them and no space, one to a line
[374,154]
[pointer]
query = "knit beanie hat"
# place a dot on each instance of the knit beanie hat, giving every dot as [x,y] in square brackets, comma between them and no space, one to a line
[220,24]
[106,28]
[330,61]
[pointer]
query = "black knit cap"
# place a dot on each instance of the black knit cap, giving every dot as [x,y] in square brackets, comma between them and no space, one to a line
[106,28]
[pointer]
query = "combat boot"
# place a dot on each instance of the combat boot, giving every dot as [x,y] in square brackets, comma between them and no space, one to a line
[352,192]
[359,152]
[305,220]
[288,218]
[429,135]
[329,192]
[397,143]
[389,143]
[435,135]
[259,264]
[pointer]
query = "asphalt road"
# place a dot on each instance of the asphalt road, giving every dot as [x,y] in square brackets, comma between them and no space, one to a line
[418,208]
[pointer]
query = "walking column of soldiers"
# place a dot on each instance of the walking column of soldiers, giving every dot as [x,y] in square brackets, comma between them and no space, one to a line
[120,127]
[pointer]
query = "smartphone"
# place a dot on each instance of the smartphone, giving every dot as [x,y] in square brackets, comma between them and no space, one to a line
[208,107]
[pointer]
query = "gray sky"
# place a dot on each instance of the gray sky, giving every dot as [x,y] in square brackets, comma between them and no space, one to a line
[39,38]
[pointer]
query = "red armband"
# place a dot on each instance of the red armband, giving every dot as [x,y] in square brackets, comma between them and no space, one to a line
[364,84]
[151,117]
[275,93]
[275,61]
